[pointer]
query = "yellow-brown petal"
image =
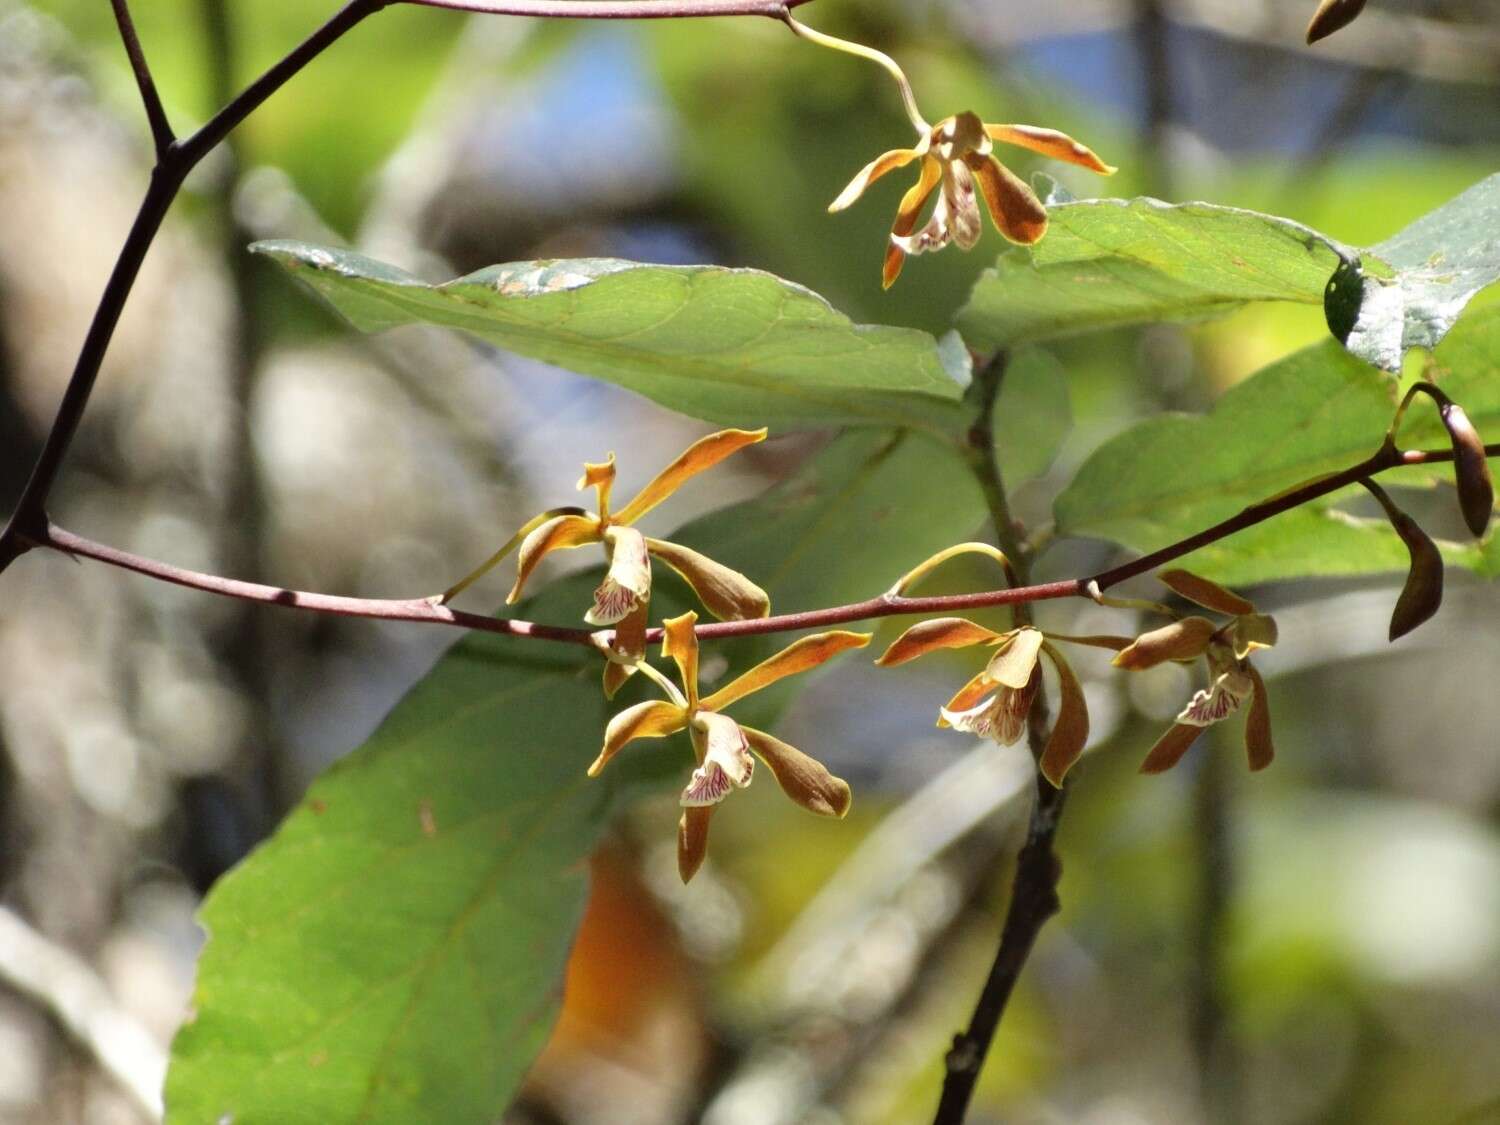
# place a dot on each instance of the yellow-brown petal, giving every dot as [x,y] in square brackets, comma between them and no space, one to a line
[907,214]
[703,454]
[560,534]
[1258,725]
[725,593]
[930,636]
[626,588]
[805,780]
[1210,595]
[681,644]
[601,476]
[799,656]
[692,840]
[885,162]
[627,646]
[1181,640]
[890,269]
[1050,142]
[1170,748]
[1000,718]
[725,763]
[1014,208]
[615,675]
[629,641]
[967,697]
[1015,660]
[656,718]
[1070,733]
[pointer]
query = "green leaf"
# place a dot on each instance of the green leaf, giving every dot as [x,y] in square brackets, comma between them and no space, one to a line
[394,952]
[1442,260]
[1033,415]
[1107,263]
[1318,411]
[733,347]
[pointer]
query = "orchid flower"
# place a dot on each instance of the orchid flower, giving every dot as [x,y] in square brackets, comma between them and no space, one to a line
[623,598]
[1231,678]
[723,748]
[956,154]
[995,703]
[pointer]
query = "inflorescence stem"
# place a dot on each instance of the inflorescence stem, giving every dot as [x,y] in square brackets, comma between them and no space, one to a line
[430,610]
[908,96]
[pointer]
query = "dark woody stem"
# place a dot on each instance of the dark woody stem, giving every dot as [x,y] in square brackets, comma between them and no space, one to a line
[979,451]
[429,610]
[156,116]
[1033,896]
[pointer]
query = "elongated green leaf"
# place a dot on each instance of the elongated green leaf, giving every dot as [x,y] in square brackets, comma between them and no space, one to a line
[735,347]
[1106,263]
[1315,412]
[394,952]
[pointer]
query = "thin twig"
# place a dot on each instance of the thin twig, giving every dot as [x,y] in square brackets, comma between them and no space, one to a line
[1033,900]
[161,129]
[979,451]
[428,610]
[1033,897]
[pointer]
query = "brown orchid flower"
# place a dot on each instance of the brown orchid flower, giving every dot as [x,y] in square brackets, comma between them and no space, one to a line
[1232,678]
[995,703]
[623,598]
[957,161]
[723,747]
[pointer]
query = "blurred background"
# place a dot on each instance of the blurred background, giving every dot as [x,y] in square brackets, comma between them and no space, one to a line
[1319,943]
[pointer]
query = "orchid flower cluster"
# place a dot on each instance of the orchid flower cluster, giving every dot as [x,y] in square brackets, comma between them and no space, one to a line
[996,703]
[724,750]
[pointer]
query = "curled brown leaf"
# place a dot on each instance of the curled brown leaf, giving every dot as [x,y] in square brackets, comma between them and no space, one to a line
[1331,16]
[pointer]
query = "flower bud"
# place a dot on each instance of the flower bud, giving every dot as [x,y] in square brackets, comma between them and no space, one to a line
[1471,469]
[1187,639]
[1423,592]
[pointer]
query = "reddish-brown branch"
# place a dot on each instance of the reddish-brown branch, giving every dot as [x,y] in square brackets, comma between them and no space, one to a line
[429,611]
